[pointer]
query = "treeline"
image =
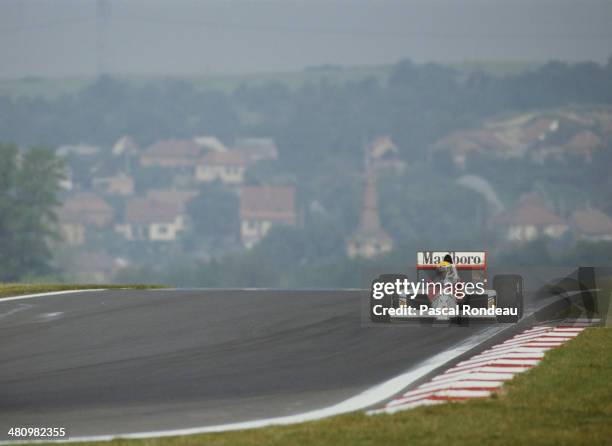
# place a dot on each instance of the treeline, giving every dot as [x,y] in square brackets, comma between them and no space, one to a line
[416,104]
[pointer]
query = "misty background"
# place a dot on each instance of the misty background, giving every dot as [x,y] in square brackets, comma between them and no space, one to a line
[144,37]
[300,143]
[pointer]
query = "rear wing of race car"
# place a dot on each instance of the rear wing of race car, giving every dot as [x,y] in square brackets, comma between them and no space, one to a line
[462,259]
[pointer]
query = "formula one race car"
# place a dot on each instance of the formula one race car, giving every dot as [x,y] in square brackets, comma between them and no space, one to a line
[449,286]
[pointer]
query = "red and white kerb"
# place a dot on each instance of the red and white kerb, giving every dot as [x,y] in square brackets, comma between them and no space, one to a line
[486,372]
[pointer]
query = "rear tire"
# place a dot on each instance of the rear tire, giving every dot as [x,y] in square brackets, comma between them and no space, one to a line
[509,289]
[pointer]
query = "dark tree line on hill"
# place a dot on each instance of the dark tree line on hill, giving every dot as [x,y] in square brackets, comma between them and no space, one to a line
[415,105]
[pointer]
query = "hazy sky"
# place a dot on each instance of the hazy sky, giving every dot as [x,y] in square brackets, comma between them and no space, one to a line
[71,37]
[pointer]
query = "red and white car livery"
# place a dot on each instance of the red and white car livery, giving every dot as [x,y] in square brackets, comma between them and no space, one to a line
[450,285]
[463,260]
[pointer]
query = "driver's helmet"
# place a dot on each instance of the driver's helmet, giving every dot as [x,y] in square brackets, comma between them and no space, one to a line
[445,264]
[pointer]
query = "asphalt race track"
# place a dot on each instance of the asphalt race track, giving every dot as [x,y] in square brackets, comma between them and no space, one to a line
[111,362]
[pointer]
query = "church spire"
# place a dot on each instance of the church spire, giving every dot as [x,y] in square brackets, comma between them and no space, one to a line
[370,239]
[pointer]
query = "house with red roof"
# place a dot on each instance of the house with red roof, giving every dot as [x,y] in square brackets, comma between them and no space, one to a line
[148,219]
[227,166]
[262,207]
[529,220]
[82,212]
[171,153]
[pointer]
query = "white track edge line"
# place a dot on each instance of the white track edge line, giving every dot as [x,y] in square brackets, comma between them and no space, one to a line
[365,399]
[51,293]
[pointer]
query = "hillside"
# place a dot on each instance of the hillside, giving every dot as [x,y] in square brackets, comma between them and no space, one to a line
[52,88]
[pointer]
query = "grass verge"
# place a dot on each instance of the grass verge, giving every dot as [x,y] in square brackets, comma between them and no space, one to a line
[18,289]
[566,400]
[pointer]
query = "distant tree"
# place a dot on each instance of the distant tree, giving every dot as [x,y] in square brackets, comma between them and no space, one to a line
[291,248]
[153,177]
[214,214]
[29,184]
